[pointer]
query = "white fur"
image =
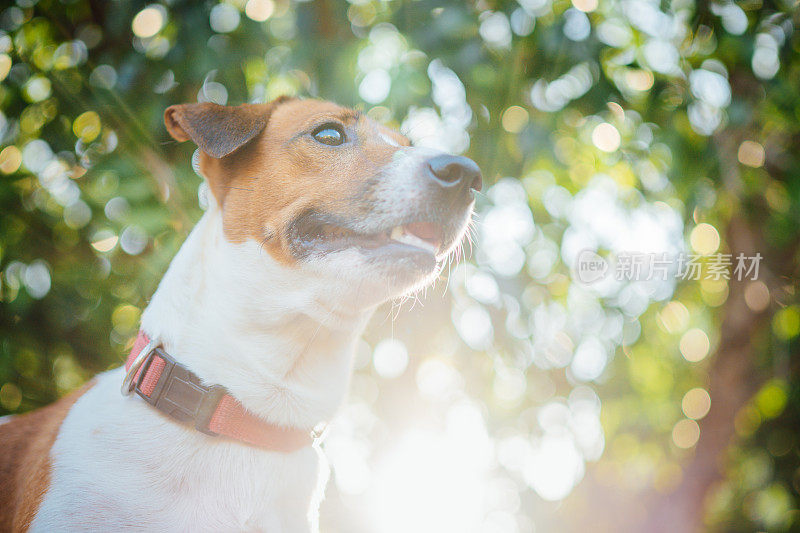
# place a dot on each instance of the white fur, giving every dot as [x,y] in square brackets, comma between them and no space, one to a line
[276,338]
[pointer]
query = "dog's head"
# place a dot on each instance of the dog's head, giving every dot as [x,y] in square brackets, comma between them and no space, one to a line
[327,190]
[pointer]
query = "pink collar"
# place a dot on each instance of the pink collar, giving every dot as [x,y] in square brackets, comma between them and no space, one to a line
[178,392]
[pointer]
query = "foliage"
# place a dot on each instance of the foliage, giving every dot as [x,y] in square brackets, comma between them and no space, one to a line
[530,399]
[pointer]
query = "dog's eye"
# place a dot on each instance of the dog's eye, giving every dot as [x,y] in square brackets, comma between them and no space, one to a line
[330,134]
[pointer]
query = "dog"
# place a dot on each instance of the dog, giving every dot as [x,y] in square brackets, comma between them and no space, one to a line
[317,215]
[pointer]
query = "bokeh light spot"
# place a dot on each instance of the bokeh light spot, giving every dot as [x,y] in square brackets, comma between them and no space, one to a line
[514,119]
[133,240]
[37,279]
[585,5]
[786,323]
[771,399]
[496,30]
[10,159]
[375,86]
[576,25]
[590,360]
[390,358]
[125,319]
[685,433]
[704,239]
[104,241]
[259,10]
[714,291]
[751,154]
[639,80]
[37,88]
[606,137]
[674,317]
[756,296]
[67,373]
[149,21]
[5,66]
[694,345]
[224,18]
[475,327]
[696,403]
[87,126]
[10,397]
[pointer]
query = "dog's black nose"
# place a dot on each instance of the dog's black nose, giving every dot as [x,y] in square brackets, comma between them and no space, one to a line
[451,170]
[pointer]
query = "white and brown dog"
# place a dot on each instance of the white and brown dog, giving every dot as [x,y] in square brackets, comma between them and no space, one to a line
[320,214]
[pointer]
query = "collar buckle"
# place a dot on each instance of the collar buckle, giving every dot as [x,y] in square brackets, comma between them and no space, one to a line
[128,383]
[179,394]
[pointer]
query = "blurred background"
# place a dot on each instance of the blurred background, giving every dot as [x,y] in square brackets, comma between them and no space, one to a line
[510,397]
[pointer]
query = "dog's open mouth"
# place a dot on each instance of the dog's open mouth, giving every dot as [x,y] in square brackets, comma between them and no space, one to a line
[311,234]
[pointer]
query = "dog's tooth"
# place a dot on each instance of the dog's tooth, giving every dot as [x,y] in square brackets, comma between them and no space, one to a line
[397,233]
[413,240]
[425,245]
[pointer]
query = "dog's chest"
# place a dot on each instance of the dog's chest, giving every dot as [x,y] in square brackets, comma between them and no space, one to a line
[117,454]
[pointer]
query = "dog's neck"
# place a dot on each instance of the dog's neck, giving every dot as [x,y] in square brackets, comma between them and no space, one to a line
[277,338]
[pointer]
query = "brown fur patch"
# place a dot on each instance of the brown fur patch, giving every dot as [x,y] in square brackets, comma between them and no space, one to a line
[282,172]
[25,443]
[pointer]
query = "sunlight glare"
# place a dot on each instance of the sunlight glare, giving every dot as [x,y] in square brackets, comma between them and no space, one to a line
[554,467]
[433,481]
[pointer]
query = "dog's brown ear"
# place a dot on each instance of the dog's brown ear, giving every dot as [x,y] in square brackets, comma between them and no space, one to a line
[218,130]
